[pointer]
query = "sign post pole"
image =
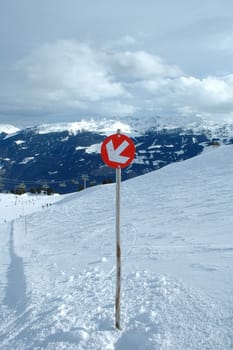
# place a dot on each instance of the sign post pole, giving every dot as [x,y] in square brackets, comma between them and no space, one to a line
[118,151]
[118,247]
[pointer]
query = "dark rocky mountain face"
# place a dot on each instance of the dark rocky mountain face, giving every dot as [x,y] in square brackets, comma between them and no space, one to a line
[59,159]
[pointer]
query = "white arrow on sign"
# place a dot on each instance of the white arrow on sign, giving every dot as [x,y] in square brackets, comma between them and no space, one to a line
[114,155]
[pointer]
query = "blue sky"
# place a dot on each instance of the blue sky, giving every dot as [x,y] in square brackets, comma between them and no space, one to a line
[64,60]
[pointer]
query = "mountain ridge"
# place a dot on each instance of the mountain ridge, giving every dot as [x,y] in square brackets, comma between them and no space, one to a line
[129,125]
[59,155]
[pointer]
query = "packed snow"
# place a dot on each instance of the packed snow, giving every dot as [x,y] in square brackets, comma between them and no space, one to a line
[57,263]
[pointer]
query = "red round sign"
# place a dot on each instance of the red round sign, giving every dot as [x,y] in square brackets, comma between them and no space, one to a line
[117,151]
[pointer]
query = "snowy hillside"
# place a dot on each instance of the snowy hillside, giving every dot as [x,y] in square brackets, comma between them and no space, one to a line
[58,155]
[58,264]
[8,129]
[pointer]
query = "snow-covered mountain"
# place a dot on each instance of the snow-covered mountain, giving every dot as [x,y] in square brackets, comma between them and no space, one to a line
[57,265]
[8,129]
[57,155]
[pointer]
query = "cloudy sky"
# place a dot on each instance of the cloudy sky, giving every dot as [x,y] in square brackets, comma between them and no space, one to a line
[61,60]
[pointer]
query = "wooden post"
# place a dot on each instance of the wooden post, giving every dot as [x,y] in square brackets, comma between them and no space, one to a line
[118,151]
[118,249]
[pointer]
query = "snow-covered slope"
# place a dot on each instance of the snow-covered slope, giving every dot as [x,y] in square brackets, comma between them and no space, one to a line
[8,129]
[58,155]
[58,265]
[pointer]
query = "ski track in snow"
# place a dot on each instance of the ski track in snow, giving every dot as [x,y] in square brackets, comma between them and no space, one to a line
[57,268]
[15,292]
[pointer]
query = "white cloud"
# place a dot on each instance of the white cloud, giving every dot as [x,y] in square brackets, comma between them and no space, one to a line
[70,71]
[141,65]
[193,96]
[77,77]
[117,108]
[208,95]
[208,91]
